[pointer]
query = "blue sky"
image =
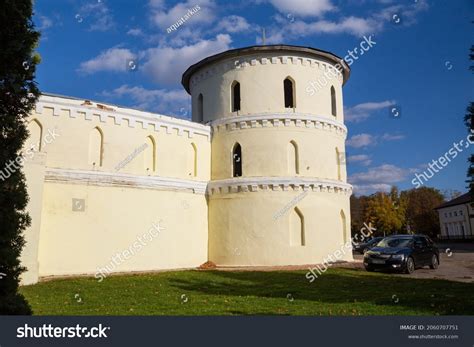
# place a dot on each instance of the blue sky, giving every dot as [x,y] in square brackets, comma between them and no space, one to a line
[120,51]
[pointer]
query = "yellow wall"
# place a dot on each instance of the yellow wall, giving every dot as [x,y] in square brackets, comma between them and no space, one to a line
[107,173]
[242,226]
[253,228]
[261,84]
[75,242]
[120,197]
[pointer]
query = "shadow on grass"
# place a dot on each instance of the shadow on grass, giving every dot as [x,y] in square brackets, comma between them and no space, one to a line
[338,286]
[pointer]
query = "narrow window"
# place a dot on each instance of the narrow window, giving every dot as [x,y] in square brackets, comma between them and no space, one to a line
[289,89]
[200,108]
[293,158]
[297,232]
[36,136]
[235,96]
[237,160]
[96,143]
[333,102]
[150,155]
[344,226]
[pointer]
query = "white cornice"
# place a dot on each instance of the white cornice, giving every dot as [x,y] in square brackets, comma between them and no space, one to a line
[147,119]
[258,59]
[114,179]
[302,120]
[254,184]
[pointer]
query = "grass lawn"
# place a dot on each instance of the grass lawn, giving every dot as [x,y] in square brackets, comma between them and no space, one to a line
[336,292]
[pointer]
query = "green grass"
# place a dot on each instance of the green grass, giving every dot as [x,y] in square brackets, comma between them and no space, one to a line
[336,292]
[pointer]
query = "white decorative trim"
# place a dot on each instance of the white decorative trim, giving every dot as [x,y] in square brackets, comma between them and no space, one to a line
[266,119]
[115,179]
[255,184]
[252,61]
[134,117]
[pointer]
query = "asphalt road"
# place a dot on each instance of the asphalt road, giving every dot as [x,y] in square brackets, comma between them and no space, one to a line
[456,264]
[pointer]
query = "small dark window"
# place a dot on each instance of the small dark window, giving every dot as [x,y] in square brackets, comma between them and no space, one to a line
[235,96]
[289,89]
[237,161]
[200,108]
[333,102]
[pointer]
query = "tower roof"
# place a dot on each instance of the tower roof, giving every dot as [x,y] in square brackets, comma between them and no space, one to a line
[238,52]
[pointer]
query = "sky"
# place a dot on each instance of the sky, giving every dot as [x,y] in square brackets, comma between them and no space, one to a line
[404,102]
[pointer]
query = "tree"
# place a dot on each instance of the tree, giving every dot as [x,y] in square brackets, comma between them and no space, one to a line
[18,95]
[358,208]
[469,121]
[420,214]
[386,211]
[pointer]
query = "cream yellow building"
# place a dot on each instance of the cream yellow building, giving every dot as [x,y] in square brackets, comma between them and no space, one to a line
[256,178]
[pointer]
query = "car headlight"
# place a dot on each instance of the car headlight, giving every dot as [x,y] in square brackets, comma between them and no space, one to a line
[398,256]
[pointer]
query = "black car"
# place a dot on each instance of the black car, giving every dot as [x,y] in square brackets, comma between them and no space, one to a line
[402,253]
[362,247]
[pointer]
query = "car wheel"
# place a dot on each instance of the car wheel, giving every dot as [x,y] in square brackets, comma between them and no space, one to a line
[434,262]
[410,266]
[369,269]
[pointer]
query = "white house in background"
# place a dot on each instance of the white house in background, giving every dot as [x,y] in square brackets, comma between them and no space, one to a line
[456,218]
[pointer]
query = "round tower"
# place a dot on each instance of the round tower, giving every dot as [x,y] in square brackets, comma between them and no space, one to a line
[278,193]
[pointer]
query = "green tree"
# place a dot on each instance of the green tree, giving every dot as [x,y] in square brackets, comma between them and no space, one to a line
[469,121]
[420,214]
[18,95]
[386,212]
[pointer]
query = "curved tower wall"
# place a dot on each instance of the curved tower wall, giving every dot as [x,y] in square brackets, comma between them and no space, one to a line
[290,205]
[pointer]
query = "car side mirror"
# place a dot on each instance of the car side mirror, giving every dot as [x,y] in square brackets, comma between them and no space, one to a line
[418,245]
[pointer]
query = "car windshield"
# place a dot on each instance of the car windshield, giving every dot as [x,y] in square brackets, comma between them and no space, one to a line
[395,242]
[374,241]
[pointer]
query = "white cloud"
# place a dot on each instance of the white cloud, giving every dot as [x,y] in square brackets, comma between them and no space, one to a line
[379,178]
[293,25]
[167,64]
[113,59]
[392,137]
[174,102]
[44,23]
[233,24]
[135,32]
[163,64]
[304,8]
[163,18]
[367,189]
[361,140]
[98,15]
[386,173]
[363,111]
[406,12]
[362,159]
[350,25]
[157,3]
[366,140]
